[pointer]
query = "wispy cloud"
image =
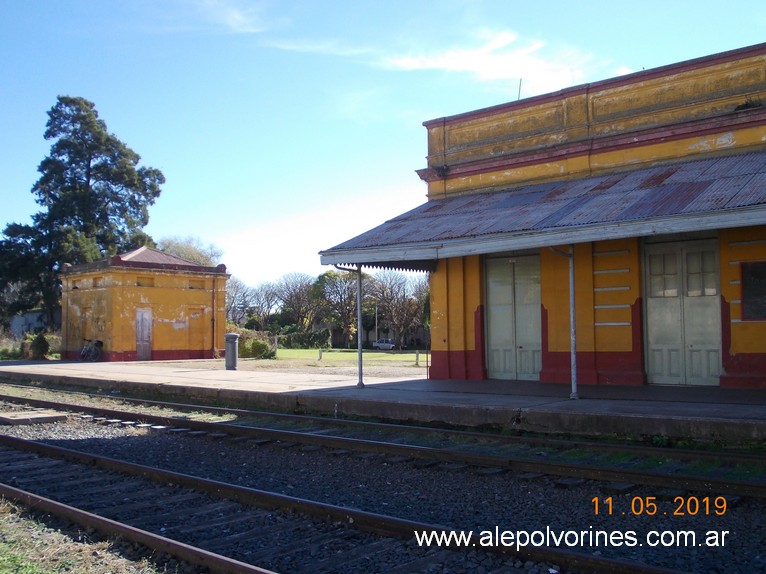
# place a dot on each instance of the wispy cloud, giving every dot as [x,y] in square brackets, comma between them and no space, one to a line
[236,16]
[498,61]
[501,56]
[323,47]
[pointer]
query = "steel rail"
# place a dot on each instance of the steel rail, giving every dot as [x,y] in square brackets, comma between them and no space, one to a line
[696,454]
[681,481]
[368,521]
[191,554]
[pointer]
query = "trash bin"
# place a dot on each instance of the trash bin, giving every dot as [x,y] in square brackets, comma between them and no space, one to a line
[232,350]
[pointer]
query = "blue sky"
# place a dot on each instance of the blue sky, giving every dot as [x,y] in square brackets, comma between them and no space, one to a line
[286,127]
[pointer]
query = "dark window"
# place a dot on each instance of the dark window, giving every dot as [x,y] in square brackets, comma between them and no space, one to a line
[754,291]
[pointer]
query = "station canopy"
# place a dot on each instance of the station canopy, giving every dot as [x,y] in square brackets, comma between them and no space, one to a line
[692,195]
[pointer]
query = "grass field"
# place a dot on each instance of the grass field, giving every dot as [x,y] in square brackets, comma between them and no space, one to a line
[349,356]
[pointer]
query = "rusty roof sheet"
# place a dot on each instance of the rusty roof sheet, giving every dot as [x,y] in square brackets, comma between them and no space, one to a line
[646,201]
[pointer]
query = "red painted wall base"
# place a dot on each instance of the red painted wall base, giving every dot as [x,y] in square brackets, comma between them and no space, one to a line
[594,369]
[457,365]
[172,355]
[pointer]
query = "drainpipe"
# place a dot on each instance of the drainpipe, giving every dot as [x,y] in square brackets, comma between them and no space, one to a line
[212,321]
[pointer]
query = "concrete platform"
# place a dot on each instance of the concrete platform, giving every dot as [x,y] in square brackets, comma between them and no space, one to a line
[30,417]
[707,413]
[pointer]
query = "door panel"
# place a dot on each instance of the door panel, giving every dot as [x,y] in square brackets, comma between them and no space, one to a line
[197,331]
[702,317]
[528,319]
[683,315]
[514,345]
[501,337]
[144,334]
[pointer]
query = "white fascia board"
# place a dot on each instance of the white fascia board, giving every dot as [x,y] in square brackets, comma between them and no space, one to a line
[412,252]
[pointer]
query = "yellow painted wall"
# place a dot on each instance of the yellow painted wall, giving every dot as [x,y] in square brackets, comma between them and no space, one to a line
[589,129]
[188,311]
[685,110]
[737,246]
[616,290]
[85,304]
[456,294]
[607,285]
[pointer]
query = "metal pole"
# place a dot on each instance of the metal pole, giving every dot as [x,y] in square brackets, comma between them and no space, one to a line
[360,384]
[572,324]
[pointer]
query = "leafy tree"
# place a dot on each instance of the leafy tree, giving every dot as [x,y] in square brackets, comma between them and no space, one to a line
[299,303]
[397,302]
[91,181]
[263,304]
[238,300]
[14,298]
[138,238]
[421,289]
[338,289]
[191,248]
[95,201]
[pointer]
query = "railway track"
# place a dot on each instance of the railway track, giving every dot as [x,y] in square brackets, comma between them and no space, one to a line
[719,473]
[220,527]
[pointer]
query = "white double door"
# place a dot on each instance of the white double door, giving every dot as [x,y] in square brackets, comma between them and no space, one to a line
[513,318]
[683,313]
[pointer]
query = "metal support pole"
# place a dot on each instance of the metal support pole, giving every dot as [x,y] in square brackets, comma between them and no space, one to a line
[359,327]
[572,324]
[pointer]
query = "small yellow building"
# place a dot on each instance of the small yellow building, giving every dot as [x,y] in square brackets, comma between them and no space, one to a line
[144,305]
[646,192]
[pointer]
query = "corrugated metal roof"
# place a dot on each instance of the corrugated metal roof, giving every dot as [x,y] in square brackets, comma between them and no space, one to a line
[726,191]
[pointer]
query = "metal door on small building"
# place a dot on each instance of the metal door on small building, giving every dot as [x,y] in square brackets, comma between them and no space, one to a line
[144,334]
[683,313]
[514,341]
[196,317]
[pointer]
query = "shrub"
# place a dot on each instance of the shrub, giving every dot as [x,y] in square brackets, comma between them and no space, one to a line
[253,344]
[314,340]
[54,342]
[39,347]
[256,349]
[10,348]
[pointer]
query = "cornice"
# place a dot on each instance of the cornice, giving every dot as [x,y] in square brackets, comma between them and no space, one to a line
[611,83]
[734,121]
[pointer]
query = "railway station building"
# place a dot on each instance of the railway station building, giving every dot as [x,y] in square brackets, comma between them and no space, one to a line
[620,223]
[144,305]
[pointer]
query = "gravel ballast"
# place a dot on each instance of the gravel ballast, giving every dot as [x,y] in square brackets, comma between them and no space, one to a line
[463,499]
